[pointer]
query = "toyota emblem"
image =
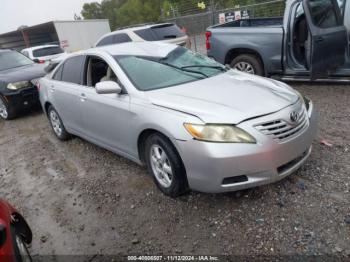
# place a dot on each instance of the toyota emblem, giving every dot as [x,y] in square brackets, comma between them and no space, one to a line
[294,116]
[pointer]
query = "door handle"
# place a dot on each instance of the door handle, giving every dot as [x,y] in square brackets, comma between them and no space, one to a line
[82,97]
[52,89]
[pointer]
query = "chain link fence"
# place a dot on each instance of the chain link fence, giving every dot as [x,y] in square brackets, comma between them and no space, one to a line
[196,20]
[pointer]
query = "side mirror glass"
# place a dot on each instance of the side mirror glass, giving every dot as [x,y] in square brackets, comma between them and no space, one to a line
[108,87]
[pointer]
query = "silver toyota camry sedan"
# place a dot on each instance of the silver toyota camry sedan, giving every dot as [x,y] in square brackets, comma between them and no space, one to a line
[193,122]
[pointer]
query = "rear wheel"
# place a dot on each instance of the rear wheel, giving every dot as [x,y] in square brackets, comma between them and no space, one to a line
[249,64]
[5,111]
[57,125]
[165,166]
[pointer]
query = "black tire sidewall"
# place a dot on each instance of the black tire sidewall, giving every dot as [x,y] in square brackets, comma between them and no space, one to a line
[18,254]
[179,184]
[10,112]
[64,135]
[252,60]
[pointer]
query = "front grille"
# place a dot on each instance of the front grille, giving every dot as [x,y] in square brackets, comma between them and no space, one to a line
[281,130]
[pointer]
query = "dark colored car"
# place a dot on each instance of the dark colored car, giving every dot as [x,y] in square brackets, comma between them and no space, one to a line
[18,75]
[15,235]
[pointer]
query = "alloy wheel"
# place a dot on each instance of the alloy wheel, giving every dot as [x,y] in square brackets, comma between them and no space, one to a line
[161,166]
[3,110]
[244,67]
[56,123]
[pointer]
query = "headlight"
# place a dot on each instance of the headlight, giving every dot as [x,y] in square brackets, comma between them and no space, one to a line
[305,100]
[18,85]
[219,133]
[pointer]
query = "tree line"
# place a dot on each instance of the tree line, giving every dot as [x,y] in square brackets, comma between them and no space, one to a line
[130,12]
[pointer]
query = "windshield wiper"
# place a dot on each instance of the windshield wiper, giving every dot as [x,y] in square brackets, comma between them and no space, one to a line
[185,70]
[206,66]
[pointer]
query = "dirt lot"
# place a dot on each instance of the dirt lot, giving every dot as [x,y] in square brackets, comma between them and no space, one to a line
[81,199]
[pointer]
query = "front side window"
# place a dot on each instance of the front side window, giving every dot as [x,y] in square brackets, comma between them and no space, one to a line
[98,71]
[323,13]
[47,51]
[72,70]
[13,59]
[179,67]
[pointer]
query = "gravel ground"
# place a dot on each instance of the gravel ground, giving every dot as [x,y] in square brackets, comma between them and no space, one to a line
[81,199]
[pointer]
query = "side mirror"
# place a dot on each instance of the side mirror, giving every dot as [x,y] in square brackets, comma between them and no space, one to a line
[108,87]
[36,61]
[2,235]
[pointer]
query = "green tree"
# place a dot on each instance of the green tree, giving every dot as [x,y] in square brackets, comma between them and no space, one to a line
[92,11]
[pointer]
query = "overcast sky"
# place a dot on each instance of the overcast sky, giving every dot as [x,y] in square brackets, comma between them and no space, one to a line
[14,13]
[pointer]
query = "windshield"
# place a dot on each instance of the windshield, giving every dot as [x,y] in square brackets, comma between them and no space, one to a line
[12,59]
[179,67]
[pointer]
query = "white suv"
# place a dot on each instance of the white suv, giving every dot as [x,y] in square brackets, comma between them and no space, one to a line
[166,32]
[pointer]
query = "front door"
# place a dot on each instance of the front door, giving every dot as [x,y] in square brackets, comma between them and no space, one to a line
[106,117]
[327,44]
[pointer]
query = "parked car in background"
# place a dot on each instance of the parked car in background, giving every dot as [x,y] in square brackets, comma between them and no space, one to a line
[15,235]
[194,122]
[43,53]
[311,41]
[18,78]
[167,32]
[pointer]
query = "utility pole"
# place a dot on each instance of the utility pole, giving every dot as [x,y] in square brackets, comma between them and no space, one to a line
[212,7]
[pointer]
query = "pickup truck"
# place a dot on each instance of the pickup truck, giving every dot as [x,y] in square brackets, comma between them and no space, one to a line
[311,42]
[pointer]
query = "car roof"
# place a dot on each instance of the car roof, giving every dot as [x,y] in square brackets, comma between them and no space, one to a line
[128,29]
[39,47]
[150,49]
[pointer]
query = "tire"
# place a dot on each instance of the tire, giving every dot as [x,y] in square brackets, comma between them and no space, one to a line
[57,124]
[249,64]
[174,182]
[6,113]
[21,250]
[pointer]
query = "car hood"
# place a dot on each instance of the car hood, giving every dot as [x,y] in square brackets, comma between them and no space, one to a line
[228,98]
[23,73]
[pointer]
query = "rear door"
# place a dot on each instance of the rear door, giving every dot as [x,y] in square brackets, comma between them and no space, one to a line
[327,43]
[65,91]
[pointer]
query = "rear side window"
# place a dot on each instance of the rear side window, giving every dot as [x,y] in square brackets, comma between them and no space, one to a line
[47,51]
[323,13]
[121,38]
[72,70]
[58,74]
[161,32]
[108,40]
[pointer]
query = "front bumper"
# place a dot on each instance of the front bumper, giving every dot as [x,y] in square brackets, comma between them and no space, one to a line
[22,99]
[224,167]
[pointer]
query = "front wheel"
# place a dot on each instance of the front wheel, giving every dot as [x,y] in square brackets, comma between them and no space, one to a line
[20,248]
[5,111]
[249,64]
[165,166]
